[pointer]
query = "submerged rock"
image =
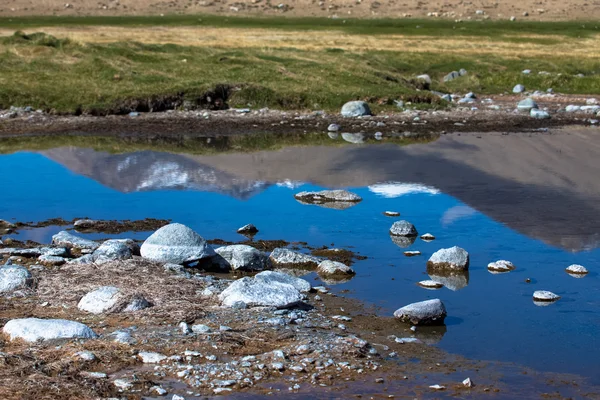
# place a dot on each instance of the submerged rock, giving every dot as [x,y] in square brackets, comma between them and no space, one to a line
[545,296]
[500,266]
[14,277]
[244,258]
[333,269]
[66,239]
[265,289]
[452,258]
[403,228]
[355,109]
[576,270]
[391,213]
[177,244]
[328,195]
[428,312]
[289,258]
[34,329]
[412,253]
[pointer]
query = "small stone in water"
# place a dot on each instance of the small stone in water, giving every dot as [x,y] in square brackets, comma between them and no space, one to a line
[437,387]
[412,253]
[577,269]
[428,237]
[544,295]
[429,284]
[391,213]
[468,383]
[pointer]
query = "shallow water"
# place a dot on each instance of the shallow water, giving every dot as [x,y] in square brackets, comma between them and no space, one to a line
[541,226]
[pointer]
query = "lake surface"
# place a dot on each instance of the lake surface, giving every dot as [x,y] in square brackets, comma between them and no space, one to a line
[532,199]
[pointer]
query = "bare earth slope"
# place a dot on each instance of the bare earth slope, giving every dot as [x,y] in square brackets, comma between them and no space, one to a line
[453,9]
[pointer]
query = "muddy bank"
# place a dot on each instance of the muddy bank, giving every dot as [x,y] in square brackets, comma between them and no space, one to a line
[169,126]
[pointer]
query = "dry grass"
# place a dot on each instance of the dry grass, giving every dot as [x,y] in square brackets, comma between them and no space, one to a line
[173,299]
[239,38]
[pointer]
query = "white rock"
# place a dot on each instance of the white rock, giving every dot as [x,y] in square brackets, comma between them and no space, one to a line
[66,239]
[544,295]
[437,387]
[412,253]
[392,213]
[158,390]
[244,258]
[149,357]
[403,228]
[355,109]
[333,268]
[577,269]
[286,257]
[328,195]
[428,237]
[123,384]
[266,289]
[468,383]
[501,266]
[177,244]
[201,328]
[100,300]
[431,285]
[451,258]
[333,128]
[518,89]
[34,329]
[539,114]
[428,312]
[85,355]
[13,277]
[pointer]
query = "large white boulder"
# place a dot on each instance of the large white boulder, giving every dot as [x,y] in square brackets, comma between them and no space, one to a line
[177,244]
[14,277]
[34,329]
[429,312]
[452,258]
[268,288]
[244,258]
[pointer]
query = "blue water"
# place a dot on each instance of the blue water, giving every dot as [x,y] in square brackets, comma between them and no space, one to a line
[493,318]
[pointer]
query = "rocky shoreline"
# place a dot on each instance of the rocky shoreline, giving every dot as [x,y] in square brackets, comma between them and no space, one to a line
[470,114]
[177,317]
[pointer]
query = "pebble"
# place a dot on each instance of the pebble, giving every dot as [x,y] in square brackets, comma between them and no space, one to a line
[391,213]
[437,387]
[468,383]
[412,253]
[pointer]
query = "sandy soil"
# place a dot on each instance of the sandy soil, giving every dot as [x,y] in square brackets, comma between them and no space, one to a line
[453,9]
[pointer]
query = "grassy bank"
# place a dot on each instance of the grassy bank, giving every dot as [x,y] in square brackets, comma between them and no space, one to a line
[266,63]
